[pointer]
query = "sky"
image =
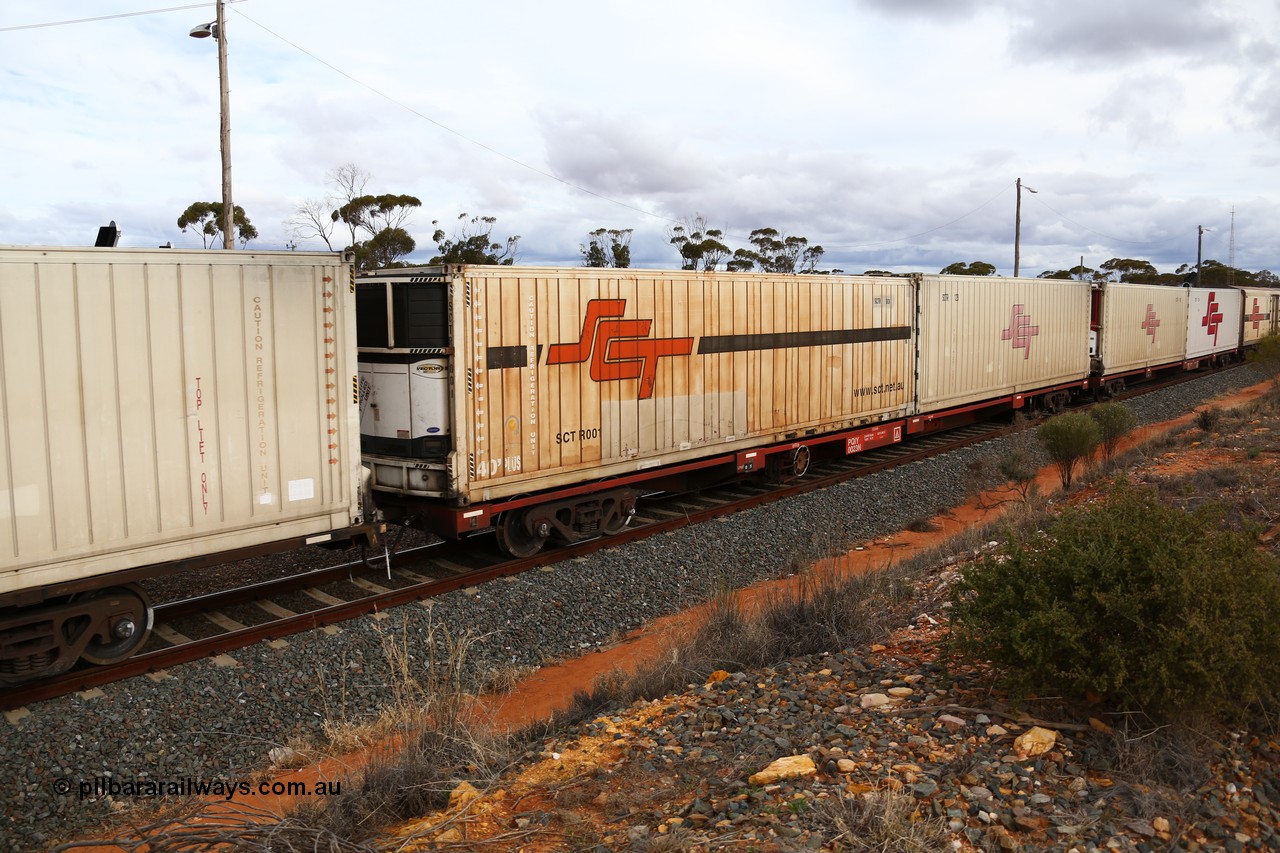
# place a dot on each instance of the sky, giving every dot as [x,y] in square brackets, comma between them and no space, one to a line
[890,132]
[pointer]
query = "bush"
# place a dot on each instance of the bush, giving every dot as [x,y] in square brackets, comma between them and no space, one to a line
[1068,438]
[1208,418]
[1151,607]
[1017,467]
[1114,421]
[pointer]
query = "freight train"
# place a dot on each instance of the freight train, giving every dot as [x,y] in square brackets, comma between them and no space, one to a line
[166,411]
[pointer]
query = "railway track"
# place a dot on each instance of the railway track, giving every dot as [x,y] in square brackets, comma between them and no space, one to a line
[220,622]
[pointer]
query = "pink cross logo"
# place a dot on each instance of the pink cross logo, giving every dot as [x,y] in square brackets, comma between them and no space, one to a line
[1256,316]
[1212,317]
[1020,330]
[1150,323]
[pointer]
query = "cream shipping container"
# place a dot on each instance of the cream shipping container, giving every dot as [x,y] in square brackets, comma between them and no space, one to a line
[1214,318]
[1141,329]
[163,410]
[982,338]
[1261,314]
[556,376]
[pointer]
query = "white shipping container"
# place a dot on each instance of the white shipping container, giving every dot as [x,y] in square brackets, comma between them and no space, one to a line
[1213,320]
[982,338]
[168,405]
[1142,327]
[1261,313]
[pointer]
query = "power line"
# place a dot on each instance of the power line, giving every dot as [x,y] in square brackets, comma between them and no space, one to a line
[108,17]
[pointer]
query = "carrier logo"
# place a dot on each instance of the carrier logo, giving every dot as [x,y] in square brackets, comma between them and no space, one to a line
[618,349]
[1020,330]
[1150,323]
[1212,317]
[1256,316]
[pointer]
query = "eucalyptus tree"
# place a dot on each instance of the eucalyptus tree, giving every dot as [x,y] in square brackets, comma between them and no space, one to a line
[205,218]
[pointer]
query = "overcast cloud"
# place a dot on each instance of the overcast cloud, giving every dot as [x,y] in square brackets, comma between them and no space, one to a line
[889,132]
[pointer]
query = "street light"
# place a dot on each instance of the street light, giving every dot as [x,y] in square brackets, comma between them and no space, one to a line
[1017,227]
[1199,248]
[217,29]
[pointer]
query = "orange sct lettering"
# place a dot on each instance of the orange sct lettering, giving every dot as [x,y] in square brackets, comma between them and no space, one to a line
[618,349]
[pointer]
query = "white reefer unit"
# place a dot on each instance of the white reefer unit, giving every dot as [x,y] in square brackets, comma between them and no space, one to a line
[160,406]
[1261,314]
[564,375]
[1141,327]
[1213,320]
[982,338]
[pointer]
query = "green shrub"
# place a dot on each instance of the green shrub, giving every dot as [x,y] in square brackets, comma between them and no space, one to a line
[1115,421]
[1151,607]
[1068,438]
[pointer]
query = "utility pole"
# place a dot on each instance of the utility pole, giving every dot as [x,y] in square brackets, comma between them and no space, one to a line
[218,29]
[1199,252]
[1017,227]
[228,209]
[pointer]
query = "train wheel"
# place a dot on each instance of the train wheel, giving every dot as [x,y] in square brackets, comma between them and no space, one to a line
[618,514]
[516,539]
[127,617]
[785,467]
[800,461]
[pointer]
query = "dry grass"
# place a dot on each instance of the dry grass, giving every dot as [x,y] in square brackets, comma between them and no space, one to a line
[427,740]
[1157,769]
[824,612]
[880,821]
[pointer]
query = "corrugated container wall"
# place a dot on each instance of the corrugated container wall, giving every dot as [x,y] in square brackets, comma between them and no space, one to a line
[564,370]
[156,406]
[984,337]
[1261,313]
[1142,326]
[1213,320]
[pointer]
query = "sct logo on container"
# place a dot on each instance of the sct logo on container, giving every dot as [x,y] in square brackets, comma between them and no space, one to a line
[618,349]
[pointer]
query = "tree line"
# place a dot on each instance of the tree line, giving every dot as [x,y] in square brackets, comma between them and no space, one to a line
[373,227]
[1137,271]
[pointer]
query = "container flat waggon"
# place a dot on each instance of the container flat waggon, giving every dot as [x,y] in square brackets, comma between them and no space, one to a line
[167,411]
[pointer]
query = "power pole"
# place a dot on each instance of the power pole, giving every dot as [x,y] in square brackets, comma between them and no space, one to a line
[228,209]
[1017,227]
[218,29]
[1199,252]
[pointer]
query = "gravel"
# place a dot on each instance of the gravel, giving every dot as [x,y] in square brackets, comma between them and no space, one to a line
[215,722]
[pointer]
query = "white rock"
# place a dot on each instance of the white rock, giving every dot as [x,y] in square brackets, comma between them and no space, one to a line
[874,700]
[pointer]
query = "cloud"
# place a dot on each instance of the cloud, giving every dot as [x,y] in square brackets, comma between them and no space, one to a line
[1125,31]
[930,10]
[1138,104]
[623,156]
